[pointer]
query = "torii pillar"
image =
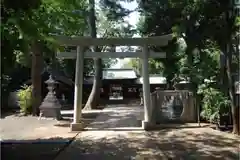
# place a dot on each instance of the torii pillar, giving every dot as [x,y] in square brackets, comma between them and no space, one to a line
[146,88]
[77,124]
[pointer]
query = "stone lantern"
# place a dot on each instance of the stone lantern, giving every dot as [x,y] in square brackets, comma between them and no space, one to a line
[51,106]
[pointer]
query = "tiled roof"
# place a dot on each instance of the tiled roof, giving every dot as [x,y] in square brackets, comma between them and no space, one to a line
[119,74]
[153,80]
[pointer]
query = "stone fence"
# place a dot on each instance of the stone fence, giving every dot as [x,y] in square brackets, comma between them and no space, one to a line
[162,100]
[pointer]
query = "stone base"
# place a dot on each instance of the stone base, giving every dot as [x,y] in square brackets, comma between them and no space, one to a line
[76,126]
[50,113]
[148,125]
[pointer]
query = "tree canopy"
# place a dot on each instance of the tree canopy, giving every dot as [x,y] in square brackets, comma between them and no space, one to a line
[205,43]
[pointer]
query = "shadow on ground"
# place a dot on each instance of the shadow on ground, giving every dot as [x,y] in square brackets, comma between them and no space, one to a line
[10,112]
[160,145]
[129,119]
[149,145]
[37,149]
[47,148]
[105,143]
[87,118]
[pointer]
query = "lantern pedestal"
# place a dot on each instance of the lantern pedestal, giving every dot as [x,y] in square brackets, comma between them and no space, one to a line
[51,107]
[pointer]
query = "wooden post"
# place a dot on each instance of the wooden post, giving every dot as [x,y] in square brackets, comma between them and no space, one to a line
[146,87]
[77,124]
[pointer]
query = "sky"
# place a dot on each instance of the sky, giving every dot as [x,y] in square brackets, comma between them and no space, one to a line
[132,19]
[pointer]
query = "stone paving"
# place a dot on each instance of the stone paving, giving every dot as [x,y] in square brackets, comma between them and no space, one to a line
[31,138]
[15,127]
[117,134]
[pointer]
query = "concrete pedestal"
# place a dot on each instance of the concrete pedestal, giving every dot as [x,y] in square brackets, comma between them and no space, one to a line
[76,126]
[148,125]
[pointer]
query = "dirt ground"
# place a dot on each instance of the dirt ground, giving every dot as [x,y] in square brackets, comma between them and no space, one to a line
[113,133]
[117,134]
[15,127]
[31,138]
[167,144]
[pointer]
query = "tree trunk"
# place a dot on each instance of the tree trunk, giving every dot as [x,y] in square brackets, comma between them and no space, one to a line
[94,97]
[36,77]
[231,91]
[238,56]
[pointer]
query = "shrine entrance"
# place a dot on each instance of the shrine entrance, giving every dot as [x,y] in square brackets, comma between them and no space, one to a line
[81,43]
[116,92]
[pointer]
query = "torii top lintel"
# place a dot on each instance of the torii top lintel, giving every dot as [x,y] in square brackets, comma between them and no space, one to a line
[88,41]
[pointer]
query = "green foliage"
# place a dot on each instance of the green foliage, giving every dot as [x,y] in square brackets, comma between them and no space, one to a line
[204,30]
[114,9]
[25,99]
[110,23]
[133,63]
[23,59]
[112,27]
[20,27]
[237,21]
[155,67]
[214,103]
[201,24]
[205,63]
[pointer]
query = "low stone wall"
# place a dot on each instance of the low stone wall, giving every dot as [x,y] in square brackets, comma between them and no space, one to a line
[188,113]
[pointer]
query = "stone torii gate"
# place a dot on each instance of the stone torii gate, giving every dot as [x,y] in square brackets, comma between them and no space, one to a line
[82,42]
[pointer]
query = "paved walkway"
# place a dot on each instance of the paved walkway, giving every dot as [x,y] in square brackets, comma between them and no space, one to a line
[31,138]
[17,128]
[116,134]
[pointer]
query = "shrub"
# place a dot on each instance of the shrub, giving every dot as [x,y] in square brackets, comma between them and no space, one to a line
[25,99]
[214,103]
